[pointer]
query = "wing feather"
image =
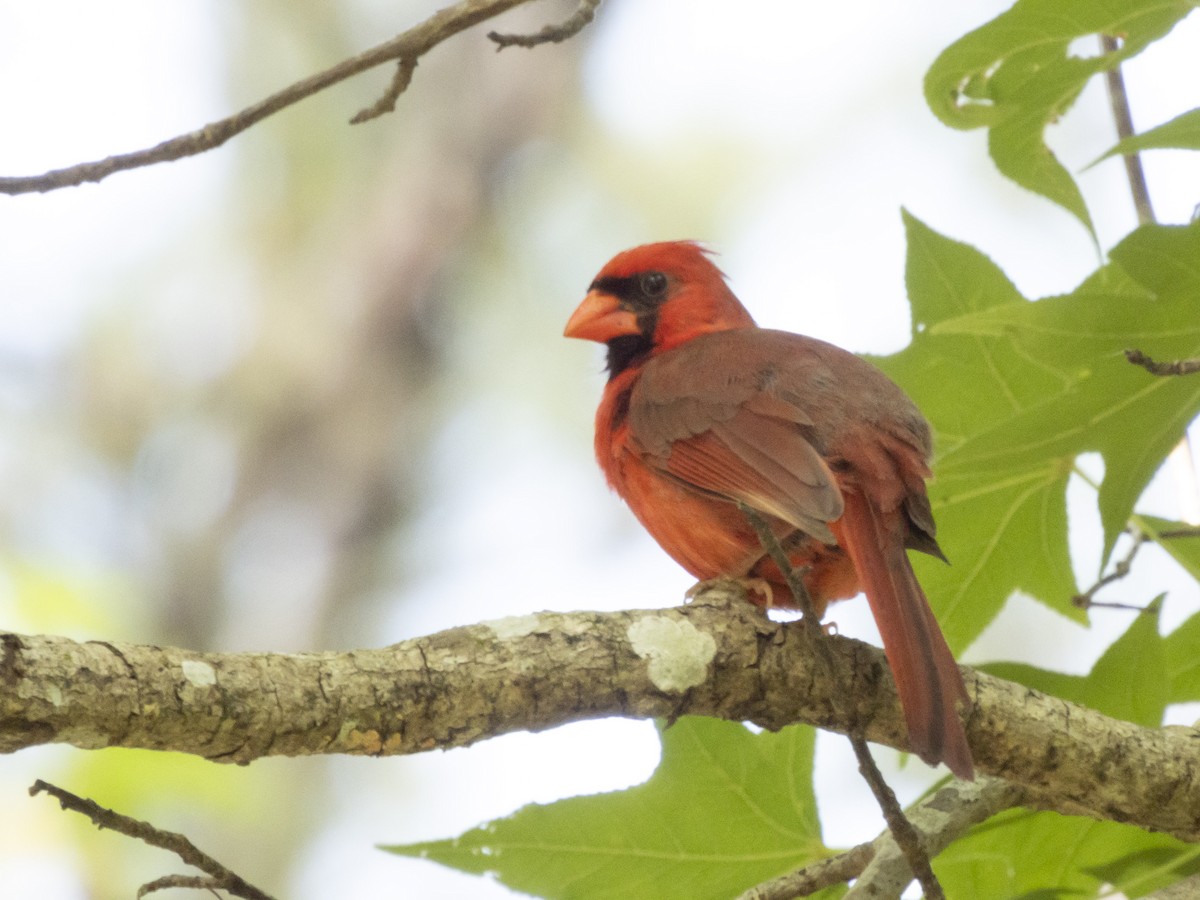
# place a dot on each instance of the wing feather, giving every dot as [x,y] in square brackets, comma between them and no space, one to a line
[720,423]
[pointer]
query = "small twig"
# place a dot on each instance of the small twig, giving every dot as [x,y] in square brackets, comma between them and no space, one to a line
[409,45]
[815,876]
[1119,99]
[1120,570]
[902,830]
[387,103]
[217,876]
[1189,532]
[551,34]
[187,882]
[905,835]
[794,579]
[881,869]
[941,818]
[1176,367]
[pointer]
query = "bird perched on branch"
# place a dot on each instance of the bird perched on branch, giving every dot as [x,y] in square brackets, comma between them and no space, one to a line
[706,414]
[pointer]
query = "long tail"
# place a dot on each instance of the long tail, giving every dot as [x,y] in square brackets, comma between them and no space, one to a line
[927,677]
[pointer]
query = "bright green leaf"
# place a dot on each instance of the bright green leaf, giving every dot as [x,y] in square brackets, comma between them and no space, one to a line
[726,809]
[1148,869]
[1016,390]
[1015,76]
[1022,854]
[1102,402]
[1002,530]
[1179,539]
[1128,682]
[1181,133]
[1183,661]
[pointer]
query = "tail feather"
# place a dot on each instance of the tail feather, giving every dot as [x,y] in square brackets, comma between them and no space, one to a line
[927,677]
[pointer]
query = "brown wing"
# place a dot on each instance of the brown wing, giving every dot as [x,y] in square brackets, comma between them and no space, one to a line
[724,414]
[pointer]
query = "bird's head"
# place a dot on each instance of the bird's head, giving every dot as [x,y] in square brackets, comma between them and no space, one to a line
[655,297]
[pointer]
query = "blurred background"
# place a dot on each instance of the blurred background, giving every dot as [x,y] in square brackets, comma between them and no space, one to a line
[309,391]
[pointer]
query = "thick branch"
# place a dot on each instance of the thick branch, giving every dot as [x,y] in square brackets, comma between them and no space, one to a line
[535,672]
[404,49]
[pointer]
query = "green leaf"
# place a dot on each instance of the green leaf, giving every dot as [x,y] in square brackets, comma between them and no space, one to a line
[1128,682]
[1149,869]
[1181,133]
[1183,662]
[1101,402]
[1002,530]
[1015,76]
[1184,548]
[1023,854]
[726,809]
[1016,390]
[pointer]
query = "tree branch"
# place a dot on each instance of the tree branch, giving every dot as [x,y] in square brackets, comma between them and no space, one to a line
[387,102]
[905,836]
[404,49]
[1121,570]
[1154,367]
[216,876]
[1118,99]
[716,657]
[880,867]
[941,819]
[551,34]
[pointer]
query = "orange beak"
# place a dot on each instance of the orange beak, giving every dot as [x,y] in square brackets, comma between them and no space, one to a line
[600,318]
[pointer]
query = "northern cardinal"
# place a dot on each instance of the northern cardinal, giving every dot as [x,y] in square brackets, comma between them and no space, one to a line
[704,410]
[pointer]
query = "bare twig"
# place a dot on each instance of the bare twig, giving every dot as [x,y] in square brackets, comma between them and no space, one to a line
[1182,459]
[814,877]
[387,103]
[217,877]
[902,830]
[1176,367]
[1120,570]
[940,818]
[551,34]
[906,837]
[1188,532]
[406,48]
[795,579]
[185,882]
[1119,99]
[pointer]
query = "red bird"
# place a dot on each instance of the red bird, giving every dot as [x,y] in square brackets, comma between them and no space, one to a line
[704,410]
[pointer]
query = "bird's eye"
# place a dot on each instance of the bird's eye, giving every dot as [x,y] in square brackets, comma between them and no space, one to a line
[654,284]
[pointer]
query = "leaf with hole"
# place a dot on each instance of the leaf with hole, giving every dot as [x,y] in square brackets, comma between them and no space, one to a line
[1016,75]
